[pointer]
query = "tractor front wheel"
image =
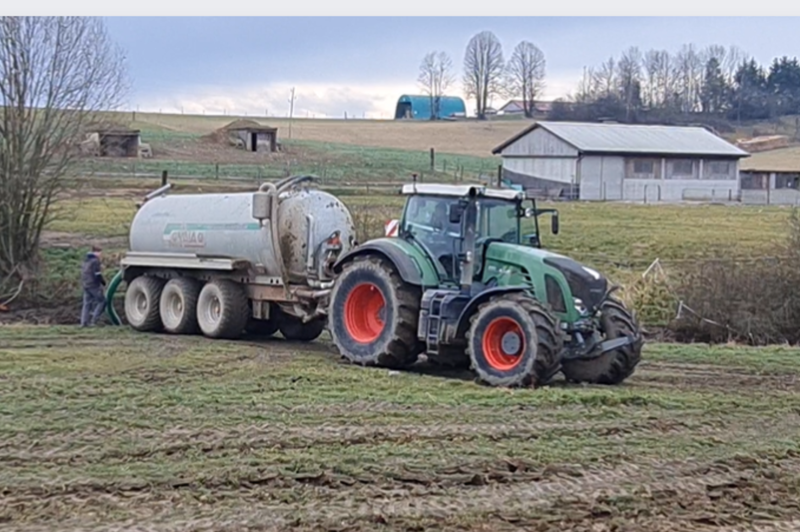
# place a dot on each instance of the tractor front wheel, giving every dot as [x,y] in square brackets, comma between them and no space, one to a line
[514,341]
[614,366]
[373,315]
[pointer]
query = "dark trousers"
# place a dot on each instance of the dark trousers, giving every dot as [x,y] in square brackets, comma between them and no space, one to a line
[93,305]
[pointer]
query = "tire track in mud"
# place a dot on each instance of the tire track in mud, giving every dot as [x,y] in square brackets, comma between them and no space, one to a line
[671,375]
[663,486]
[82,447]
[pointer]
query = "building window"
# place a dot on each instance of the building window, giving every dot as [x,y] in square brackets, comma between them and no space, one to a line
[787,181]
[681,169]
[643,169]
[718,170]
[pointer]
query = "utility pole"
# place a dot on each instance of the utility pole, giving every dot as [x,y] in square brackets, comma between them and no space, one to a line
[291,112]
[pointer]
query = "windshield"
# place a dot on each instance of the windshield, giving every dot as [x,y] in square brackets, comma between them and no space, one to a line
[498,219]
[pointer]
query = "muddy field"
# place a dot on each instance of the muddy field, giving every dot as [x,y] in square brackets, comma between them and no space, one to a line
[110,430]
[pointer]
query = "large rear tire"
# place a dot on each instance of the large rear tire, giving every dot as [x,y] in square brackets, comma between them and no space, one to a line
[222,309]
[373,315]
[142,303]
[178,305]
[615,366]
[514,341]
[262,328]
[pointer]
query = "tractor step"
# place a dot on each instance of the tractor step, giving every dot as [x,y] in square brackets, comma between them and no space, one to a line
[600,349]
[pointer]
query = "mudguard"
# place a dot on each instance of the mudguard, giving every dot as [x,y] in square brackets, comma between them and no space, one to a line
[482,297]
[409,270]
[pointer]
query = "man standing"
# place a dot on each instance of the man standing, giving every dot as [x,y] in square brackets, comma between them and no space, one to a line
[93,283]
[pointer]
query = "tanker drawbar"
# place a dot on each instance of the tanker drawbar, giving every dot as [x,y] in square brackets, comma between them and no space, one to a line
[227,263]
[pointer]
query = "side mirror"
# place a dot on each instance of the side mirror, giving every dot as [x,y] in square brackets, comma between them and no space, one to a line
[456,211]
[554,223]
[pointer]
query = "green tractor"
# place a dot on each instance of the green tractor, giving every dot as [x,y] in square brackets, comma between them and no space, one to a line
[460,284]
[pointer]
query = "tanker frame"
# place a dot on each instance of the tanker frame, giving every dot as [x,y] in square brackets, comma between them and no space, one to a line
[228,263]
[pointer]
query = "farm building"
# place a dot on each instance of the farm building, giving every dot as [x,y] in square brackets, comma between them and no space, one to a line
[600,161]
[253,137]
[772,177]
[116,141]
[420,108]
[517,107]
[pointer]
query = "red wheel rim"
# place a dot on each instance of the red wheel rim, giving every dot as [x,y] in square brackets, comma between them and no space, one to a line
[362,313]
[498,356]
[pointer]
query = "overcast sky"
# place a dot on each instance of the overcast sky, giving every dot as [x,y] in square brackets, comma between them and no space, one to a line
[361,65]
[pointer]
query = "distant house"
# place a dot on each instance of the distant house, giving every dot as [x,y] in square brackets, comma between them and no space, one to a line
[419,107]
[592,161]
[517,107]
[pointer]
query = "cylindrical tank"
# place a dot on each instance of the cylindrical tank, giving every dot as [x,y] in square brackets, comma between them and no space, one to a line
[222,225]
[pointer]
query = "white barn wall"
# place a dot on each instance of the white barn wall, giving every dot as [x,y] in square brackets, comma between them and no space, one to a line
[540,143]
[561,170]
[601,177]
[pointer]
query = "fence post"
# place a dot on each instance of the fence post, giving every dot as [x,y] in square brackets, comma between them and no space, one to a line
[163,177]
[216,170]
[499,176]
[433,160]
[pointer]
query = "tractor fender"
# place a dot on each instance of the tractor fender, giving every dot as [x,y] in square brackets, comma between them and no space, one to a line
[404,265]
[472,306]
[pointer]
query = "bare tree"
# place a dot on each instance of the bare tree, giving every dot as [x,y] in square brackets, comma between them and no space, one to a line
[690,71]
[483,69]
[606,78]
[525,75]
[629,77]
[56,75]
[435,77]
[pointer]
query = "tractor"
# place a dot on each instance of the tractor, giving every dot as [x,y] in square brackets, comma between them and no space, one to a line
[460,284]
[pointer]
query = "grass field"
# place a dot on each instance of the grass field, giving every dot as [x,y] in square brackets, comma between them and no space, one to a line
[110,430]
[113,430]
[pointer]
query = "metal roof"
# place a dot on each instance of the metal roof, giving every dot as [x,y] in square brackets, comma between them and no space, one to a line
[629,138]
[781,160]
[461,191]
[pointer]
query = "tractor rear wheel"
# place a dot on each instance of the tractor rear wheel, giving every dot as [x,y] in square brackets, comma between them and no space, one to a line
[617,365]
[514,341]
[263,328]
[373,315]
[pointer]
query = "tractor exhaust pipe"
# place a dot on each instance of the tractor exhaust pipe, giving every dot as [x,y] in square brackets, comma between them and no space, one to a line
[468,260]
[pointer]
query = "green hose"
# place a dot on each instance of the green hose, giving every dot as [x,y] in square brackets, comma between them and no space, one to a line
[112,288]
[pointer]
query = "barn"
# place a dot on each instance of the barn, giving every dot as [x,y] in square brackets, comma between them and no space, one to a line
[609,161]
[772,177]
[419,107]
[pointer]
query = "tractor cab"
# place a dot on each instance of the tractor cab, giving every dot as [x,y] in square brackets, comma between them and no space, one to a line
[434,219]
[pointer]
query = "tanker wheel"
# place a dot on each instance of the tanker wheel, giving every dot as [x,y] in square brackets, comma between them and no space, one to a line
[222,309]
[293,328]
[142,303]
[263,328]
[617,365]
[514,341]
[178,305]
[373,315]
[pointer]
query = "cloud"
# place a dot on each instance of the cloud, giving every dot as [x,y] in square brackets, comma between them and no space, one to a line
[311,100]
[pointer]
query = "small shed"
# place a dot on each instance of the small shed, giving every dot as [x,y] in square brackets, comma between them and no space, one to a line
[426,108]
[622,162]
[112,141]
[255,137]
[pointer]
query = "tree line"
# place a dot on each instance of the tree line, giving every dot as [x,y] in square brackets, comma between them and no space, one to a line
[486,74]
[715,81]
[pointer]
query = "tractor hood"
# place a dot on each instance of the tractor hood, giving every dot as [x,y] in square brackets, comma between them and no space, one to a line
[585,283]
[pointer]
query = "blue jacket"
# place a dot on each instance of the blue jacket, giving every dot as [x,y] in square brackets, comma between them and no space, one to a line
[91,274]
